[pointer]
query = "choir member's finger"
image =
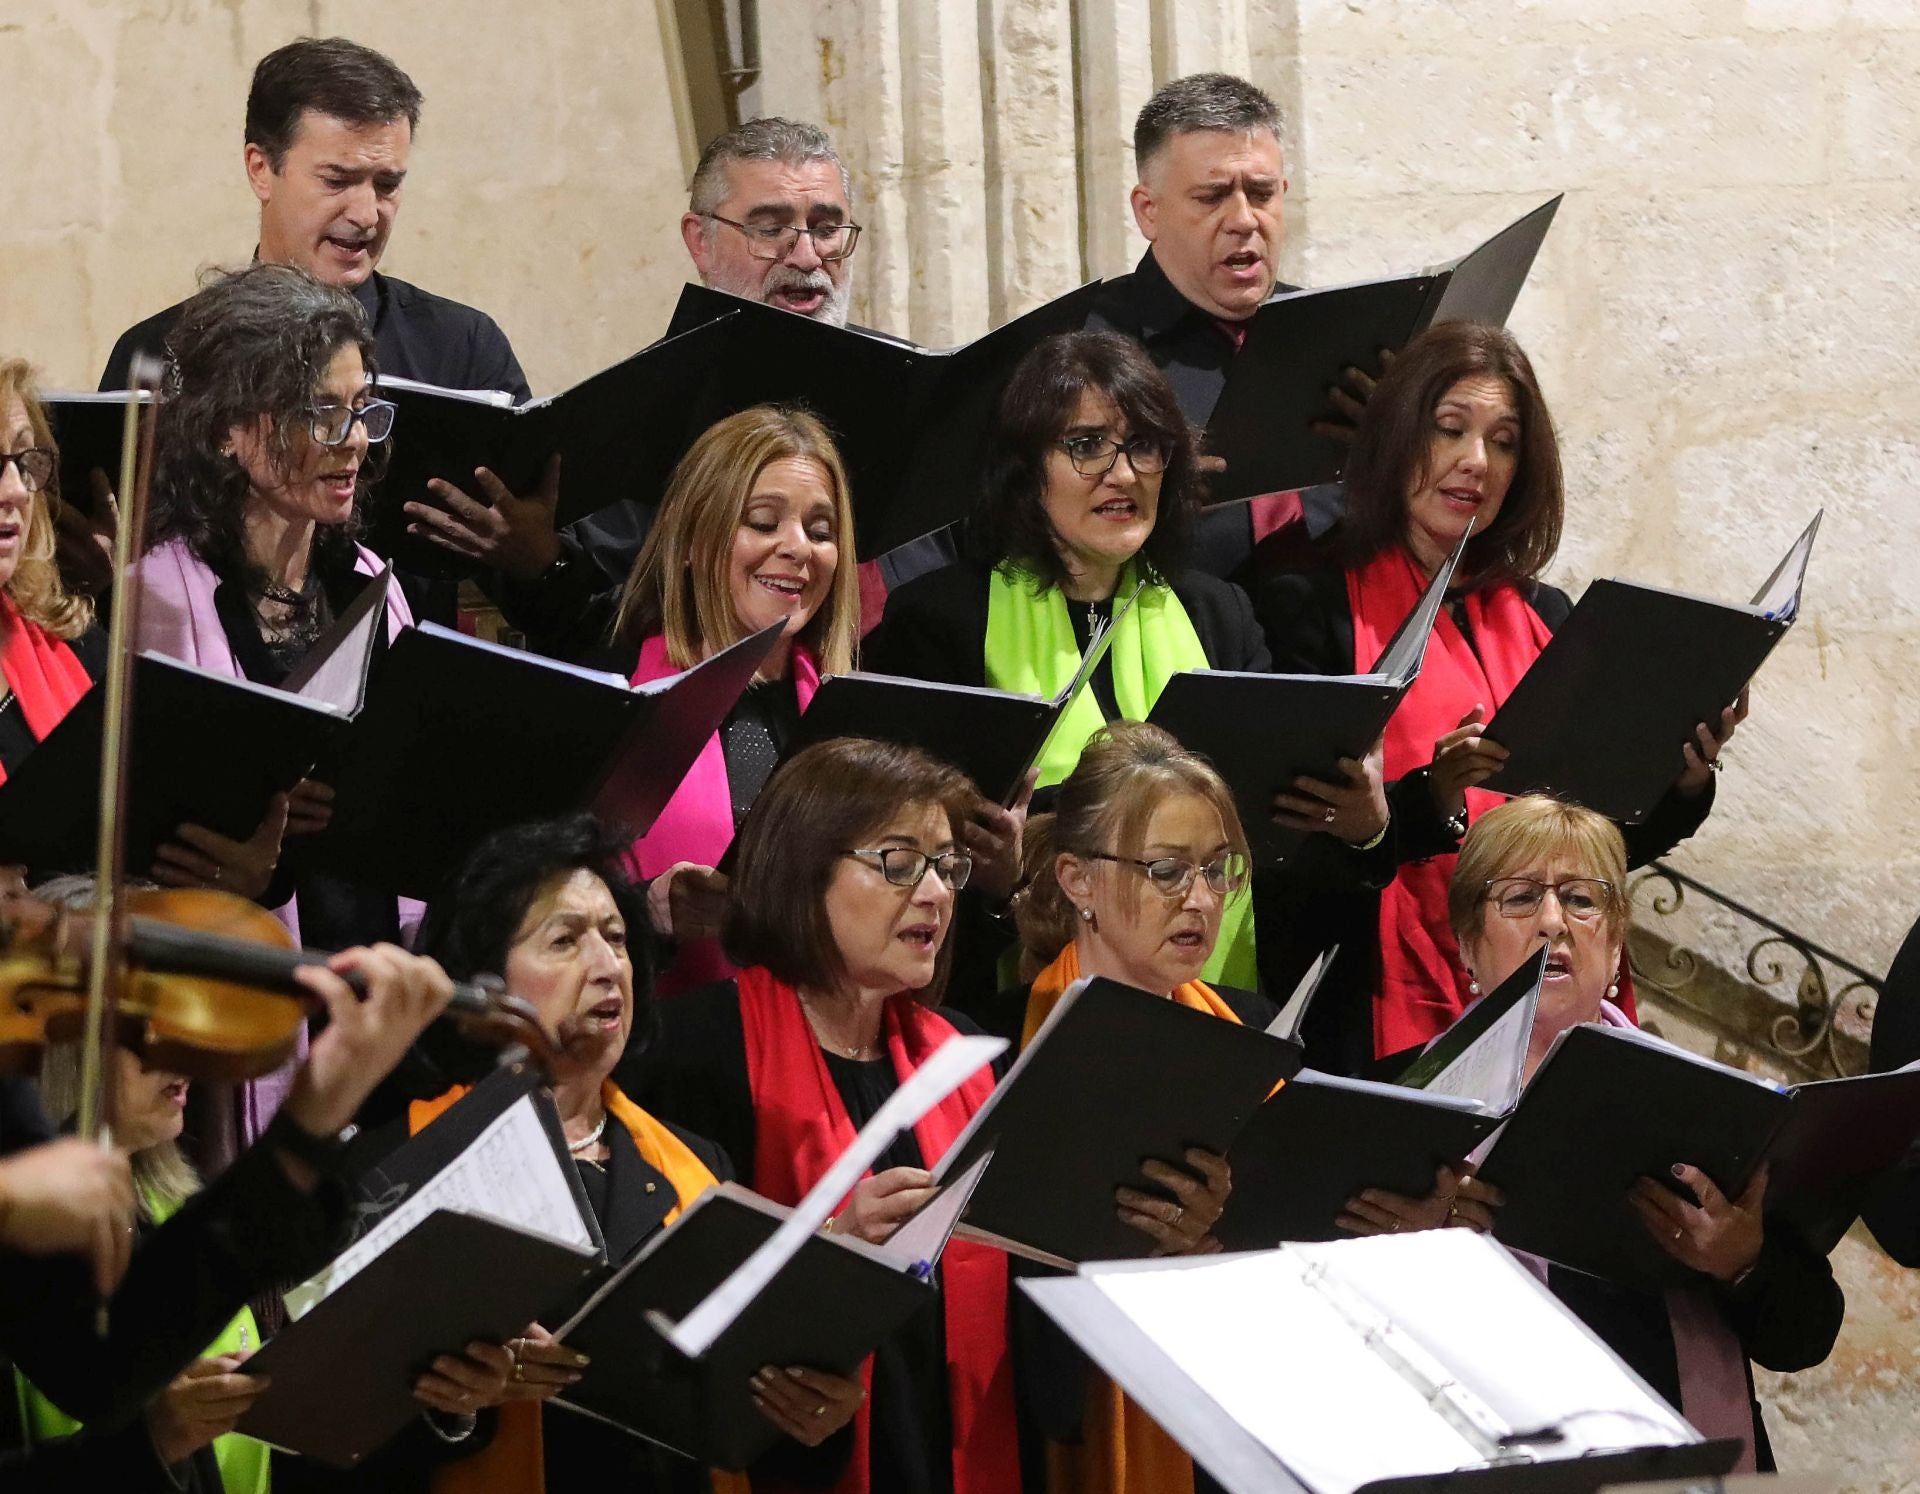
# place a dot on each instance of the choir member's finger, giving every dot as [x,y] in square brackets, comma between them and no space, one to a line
[1480,1192]
[900,1179]
[1209,464]
[483,517]
[1742,704]
[1754,1196]
[1712,1200]
[1359,381]
[441,1394]
[1190,1193]
[1345,403]
[1212,1167]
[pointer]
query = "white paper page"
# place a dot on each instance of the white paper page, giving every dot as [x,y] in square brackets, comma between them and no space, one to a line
[334,673]
[1287,1024]
[1779,595]
[917,1244]
[510,1174]
[1505,1337]
[498,397]
[931,1083]
[1491,1068]
[1280,1360]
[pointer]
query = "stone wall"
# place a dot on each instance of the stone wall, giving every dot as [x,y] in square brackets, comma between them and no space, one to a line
[546,183]
[1722,316]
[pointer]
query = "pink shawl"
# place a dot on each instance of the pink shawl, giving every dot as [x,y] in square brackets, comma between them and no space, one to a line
[697,823]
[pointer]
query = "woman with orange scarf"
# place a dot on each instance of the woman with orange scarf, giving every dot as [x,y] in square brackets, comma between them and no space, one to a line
[547,908]
[842,901]
[1127,879]
[1456,432]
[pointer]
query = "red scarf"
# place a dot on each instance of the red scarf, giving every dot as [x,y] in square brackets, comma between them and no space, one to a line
[1422,987]
[47,676]
[801,1127]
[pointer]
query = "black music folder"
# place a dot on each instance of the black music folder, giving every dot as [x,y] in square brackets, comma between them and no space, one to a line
[618,434]
[480,1227]
[1261,731]
[88,427]
[1566,1178]
[1115,1076]
[1601,716]
[910,421]
[1322,1138]
[207,749]
[459,738]
[1427,1363]
[828,1307]
[1298,343]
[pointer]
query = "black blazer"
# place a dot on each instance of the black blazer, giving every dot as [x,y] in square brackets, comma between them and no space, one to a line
[935,627]
[1894,1213]
[1308,626]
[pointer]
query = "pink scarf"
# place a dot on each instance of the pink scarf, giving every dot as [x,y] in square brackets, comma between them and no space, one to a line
[697,823]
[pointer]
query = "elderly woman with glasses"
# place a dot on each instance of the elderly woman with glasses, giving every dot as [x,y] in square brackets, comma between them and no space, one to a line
[1536,871]
[842,901]
[1089,493]
[262,462]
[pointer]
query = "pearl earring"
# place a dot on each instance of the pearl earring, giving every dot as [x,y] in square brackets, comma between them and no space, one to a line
[1473,986]
[1086,916]
[1613,991]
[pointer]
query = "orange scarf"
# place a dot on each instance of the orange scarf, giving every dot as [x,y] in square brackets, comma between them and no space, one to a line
[1121,1450]
[515,1461]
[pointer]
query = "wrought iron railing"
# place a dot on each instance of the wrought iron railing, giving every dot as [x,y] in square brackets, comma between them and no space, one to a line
[1817,1026]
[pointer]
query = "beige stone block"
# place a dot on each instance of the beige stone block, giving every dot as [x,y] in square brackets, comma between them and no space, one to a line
[1475,28]
[1793,15]
[1537,117]
[53,79]
[1116,79]
[1031,191]
[1879,111]
[1200,36]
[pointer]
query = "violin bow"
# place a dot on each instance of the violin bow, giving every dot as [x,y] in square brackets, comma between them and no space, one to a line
[107,952]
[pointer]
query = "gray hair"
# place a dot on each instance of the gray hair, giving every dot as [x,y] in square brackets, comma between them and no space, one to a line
[1202,101]
[791,141]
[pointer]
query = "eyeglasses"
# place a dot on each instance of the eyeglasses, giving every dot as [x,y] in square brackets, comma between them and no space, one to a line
[1582,899]
[831,241]
[904,867]
[35,466]
[332,424]
[1173,876]
[1094,456]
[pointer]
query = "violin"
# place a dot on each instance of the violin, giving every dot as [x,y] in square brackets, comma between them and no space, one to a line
[208,987]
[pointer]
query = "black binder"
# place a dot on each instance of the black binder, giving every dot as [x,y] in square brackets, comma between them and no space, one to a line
[1566,1178]
[1116,1076]
[1298,343]
[910,421]
[459,738]
[829,1307]
[207,749]
[1602,714]
[88,427]
[1261,731]
[343,1373]
[619,434]
[1323,1138]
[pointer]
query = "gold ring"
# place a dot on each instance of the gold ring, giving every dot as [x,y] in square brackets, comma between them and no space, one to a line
[1676,1235]
[519,1371]
[819,1411]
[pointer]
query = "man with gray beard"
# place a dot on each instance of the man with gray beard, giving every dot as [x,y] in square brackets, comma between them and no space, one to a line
[768,219]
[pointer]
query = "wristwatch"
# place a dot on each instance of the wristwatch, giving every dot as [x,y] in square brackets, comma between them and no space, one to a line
[326,1155]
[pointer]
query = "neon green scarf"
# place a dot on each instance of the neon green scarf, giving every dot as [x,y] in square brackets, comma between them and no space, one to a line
[244,1463]
[1031,650]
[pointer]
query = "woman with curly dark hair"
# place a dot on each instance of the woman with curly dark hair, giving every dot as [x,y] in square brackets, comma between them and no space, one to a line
[1089,490]
[262,461]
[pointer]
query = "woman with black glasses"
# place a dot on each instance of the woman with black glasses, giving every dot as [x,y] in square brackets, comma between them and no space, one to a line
[263,456]
[842,901]
[1089,493]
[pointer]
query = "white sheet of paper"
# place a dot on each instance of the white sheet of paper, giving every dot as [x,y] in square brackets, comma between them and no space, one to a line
[510,1174]
[1274,1354]
[931,1083]
[1490,1070]
[1504,1337]
[923,1237]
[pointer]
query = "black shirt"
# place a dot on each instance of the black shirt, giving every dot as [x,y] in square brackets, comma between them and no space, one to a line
[16,739]
[417,335]
[1190,346]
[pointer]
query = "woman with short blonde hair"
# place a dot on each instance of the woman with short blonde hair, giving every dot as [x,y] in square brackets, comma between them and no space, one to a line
[756,528]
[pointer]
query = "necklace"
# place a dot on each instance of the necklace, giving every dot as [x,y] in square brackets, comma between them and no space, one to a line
[586,1143]
[848,1050]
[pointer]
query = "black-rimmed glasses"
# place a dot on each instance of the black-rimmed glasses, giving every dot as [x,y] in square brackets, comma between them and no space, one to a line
[1173,875]
[904,867]
[1094,456]
[330,425]
[35,466]
[831,241]
[1582,899]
